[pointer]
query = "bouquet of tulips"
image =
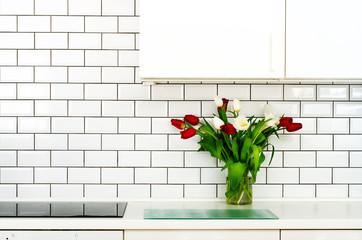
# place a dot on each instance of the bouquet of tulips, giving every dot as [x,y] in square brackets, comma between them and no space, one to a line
[238,142]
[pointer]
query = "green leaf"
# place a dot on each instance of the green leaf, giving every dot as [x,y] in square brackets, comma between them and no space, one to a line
[261,159]
[256,156]
[227,140]
[222,115]
[260,138]
[236,173]
[219,146]
[228,163]
[271,158]
[235,148]
[245,149]
[231,193]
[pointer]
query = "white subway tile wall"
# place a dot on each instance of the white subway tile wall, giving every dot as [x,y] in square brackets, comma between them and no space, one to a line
[75,121]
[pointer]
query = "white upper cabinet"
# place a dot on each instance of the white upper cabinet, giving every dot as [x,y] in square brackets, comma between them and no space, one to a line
[212,39]
[324,39]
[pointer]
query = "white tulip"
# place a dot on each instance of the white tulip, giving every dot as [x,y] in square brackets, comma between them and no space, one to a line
[218,122]
[236,105]
[218,101]
[274,122]
[241,123]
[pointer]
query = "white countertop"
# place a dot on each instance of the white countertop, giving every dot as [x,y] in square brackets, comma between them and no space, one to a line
[292,215]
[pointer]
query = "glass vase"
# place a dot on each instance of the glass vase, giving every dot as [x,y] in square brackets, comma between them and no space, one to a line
[244,193]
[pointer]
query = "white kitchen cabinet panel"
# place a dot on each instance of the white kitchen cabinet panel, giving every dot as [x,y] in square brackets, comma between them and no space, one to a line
[61,235]
[202,234]
[212,39]
[324,39]
[321,234]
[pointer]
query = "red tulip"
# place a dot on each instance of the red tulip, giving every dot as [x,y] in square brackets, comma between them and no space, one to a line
[190,132]
[285,121]
[193,120]
[294,127]
[228,129]
[224,104]
[178,123]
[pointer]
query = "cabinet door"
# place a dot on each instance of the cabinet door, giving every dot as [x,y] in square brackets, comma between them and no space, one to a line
[324,39]
[201,234]
[212,39]
[321,235]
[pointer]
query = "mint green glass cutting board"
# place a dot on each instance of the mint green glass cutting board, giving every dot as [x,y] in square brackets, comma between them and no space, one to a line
[209,214]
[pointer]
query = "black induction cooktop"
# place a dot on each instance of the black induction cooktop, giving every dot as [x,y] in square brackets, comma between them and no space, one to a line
[62,209]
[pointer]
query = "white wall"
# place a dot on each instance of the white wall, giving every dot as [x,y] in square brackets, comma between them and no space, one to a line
[75,120]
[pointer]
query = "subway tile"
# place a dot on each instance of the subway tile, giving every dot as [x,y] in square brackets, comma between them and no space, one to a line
[299,159]
[134,159]
[347,142]
[299,92]
[16,175]
[33,91]
[200,191]
[51,108]
[85,142]
[8,158]
[252,108]
[118,108]
[128,58]
[241,92]
[84,175]
[128,24]
[85,7]
[283,175]
[356,92]
[67,57]
[34,125]
[151,142]
[67,190]
[317,109]
[16,141]
[332,159]
[118,142]
[212,175]
[117,7]
[17,7]
[8,57]
[100,91]
[333,125]
[16,74]
[355,191]
[34,191]
[67,91]
[151,109]
[315,175]
[100,191]
[101,159]
[67,24]
[167,191]
[34,23]
[117,75]
[167,92]
[67,158]
[7,91]
[54,7]
[348,109]
[101,24]
[176,143]
[8,125]
[16,108]
[332,92]
[7,191]
[200,92]
[85,74]
[265,191]
[356,159]
[7,23]
[85,41]
[34,57]
[133,92]
[356,125]
[100,125]
[163,125]
[117,175]
[84,108]
[100,58]
[183,175]
[316,142]
[50,175]
[290,109]
[134,191]
[261,177]
[182,108]
[347,175]
[299,191]
[17,40]
[34,158]
[134,125]
[51,40]
[118,41]
[51,141]
[330,191]
[285,142]
[277,160]
[67,125]
[51,74]
[167,159]
[266,92]
[151,175]
[221,189]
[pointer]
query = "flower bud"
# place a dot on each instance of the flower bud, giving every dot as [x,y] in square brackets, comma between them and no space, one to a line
[218,101]
[218,122]
[236,105]
[190,132]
